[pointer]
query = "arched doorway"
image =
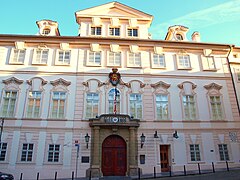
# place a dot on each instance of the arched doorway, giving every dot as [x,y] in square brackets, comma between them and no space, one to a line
[114,156]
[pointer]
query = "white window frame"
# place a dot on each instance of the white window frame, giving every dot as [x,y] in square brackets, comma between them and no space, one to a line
[54,152]
[136,105]
[42,60]
[95,32]
[58,100]
[208,63]
[33,96]
[46,31]
[223,152]
[195,153]
[111,96]
[114,63]
[114,31]
[160,58]
[3,151]
[183,61]
[94,63]
[65,61]
[93,103]
[17,56]
[9,99]
[27,153]
[131,32]
[162,103]
[134,56]
[188,106]
[219,109]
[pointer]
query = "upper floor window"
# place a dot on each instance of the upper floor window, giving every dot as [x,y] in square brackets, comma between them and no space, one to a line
[92,101]
[132,32]
[189,107]
[134,59]
[208,63]
[158,61]
[63,57]
[58,105]
[162,106]
[136,105]
[46,31]
[114,31]
[96,30]
[18,56]
[9,103]
[184,61]
[94,58]
[114,101]
[27,152]
[114,59]
[195,152]
[41,56]
[53,152]
[179,37]
[238,74]
[223,152]
[34,104]
[3,151]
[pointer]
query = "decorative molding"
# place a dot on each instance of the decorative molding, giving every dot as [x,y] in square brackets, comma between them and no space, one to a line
[213,86]
[29,82]
[20,45]
[60,81]
[181,85]
[12,80]
[160,84]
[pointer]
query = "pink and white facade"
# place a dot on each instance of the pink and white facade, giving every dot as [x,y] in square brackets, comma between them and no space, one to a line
[51,86]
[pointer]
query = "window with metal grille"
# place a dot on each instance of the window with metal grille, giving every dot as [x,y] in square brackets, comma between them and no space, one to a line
[223,152]
[195,152]
[53,152]
[3,151]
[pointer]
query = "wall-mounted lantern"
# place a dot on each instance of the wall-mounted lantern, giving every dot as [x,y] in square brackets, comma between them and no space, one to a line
[142,137]
[155,134]
[175,135]
[87,137]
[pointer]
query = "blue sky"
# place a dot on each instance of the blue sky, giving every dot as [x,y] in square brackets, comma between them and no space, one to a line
[218,21]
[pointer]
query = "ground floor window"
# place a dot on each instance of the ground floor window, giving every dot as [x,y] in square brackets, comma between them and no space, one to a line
[195,152]
[223,152]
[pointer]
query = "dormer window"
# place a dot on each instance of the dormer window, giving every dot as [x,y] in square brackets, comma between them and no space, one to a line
[46,31]
[132,32]
[96,30]
[179,37]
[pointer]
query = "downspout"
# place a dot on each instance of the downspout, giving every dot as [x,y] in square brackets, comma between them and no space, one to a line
[233,82]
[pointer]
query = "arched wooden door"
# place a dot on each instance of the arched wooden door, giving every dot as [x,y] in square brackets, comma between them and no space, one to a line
[114,156]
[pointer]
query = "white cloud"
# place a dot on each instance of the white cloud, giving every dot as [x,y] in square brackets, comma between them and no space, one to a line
[226,12]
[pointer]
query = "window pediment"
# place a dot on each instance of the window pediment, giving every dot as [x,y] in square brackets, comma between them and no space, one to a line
[60,81]
[12,80]
[160,84]
[213,86]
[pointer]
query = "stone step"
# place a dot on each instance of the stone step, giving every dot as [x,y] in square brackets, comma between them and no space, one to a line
[115,178]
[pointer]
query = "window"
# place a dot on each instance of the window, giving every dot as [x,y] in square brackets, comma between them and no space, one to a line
[162,106]
[142,159]
[158,61]
[179,37]
[216,107]
[27,152]
[58,104]
[114,96]
[96,30]
[136,105]
[18,56]
[34,103]
[46,31]
[132,32]
[53,152]
[238,74]
[64,57]
[223,152]
[184,62]
[134,59]
[3,151]
[94,58]
[41,56]
[189,107]
[208,63]
[9,103]
[195,152]
[114,59]
[92,105]
[114,31]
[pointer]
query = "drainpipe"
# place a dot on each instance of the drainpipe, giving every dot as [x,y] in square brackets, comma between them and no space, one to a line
[233,82]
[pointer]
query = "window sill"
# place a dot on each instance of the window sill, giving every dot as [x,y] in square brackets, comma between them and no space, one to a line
[224,162]
[25,162]
[196,162]
[132,66]
[53,163]
[210,70]
[32,118]
[39,64]
[16,63]
[56,119]
[185,69]
[93,65]
[156,67]
[117,66]
[62,64]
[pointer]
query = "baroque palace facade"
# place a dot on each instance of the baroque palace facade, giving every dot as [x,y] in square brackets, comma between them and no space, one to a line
[175,101]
